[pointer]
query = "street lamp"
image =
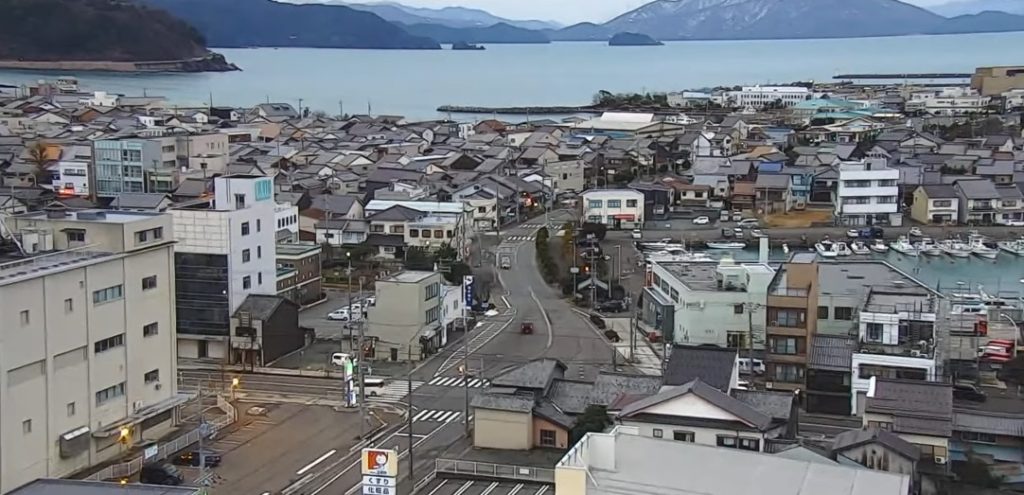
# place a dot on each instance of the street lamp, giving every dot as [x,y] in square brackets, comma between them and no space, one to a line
[234,386]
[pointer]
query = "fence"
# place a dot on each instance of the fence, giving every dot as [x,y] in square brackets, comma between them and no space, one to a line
[165,450]
[491,470]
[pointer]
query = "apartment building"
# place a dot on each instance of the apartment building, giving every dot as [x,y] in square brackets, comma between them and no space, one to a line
[791,323]
[991,81]
[405,324]
[225,252]
[397,225]
[616,208]
[87,365]
[718,304]
[868,194]
[760,96]
[298,272]
[134,165]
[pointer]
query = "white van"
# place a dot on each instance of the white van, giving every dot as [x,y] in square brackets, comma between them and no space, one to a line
[745,366]
[339,358]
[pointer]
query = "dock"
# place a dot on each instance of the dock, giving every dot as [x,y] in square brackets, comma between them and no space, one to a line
[909,75]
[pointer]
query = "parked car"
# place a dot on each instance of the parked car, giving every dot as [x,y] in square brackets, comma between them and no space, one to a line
[702,220]
[160,474]
[748,223]
[612,306]
[853,233]
[969,393]
[872,233]
[916,232]
[339,358]
[737,216]
[339,315]
[637,234]
[727,233]
[598,321]
[745,365]
[193,458]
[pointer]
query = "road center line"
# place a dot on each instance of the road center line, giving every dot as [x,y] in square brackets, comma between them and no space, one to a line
[313,464]
[547,319]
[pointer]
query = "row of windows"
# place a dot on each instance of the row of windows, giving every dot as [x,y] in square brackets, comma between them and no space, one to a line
[149,235]
[108,343]
[426,233]
[432,315]
[247,254]
[110,393]
[109,294]
[677,435]
[612,203]
[286,221]
[433,290]
[247,281]
[841,313]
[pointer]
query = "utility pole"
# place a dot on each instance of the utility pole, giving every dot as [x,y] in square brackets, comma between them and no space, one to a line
[202,434]
[359,374]
[351,316]
[465,353]
[412,464]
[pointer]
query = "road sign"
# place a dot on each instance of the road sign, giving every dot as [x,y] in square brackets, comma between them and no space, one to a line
[380,462]
[379,480]
[379,490]
[467,290]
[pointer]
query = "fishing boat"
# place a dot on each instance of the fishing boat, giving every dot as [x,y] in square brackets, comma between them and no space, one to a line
[859,247]
[842,249]
[826,249]
[1015,247]
[980,248]
[955,248]
[726,245]
[879,246]
[928,247]
[903,246]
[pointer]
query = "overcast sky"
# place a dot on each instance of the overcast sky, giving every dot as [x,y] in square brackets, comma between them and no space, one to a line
[564,11]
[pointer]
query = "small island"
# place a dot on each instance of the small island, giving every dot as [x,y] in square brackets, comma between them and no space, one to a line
[462,45]
[633,39]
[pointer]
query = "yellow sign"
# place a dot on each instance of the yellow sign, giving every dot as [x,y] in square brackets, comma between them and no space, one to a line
[380,462]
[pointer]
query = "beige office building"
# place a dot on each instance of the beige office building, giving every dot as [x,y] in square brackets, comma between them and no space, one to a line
[86,340]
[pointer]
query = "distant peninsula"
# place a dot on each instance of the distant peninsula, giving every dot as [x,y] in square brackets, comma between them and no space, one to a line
[633,39]
[100,35]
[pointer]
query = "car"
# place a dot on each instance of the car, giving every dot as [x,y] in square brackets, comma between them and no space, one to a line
[757,233]
[356,307]
[968,392]
[748,223]
[727,233]
[339,315]
[872,233]
[701,220]
[637,234]
[615,306]
[193,458]
[371,301]
[853,233]
[916,232]
[737,233]
[160,474]
[339,358]
[745,366]
[737,216]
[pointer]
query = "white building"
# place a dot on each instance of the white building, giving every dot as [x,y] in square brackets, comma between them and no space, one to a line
[86,325]
[720,304]
[286,218]
[616,208]
[760,96]
[949,101]
[225,251]
[74,178]
[868,194]
[896,335]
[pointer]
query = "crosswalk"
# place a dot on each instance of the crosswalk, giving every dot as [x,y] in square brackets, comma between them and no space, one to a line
[454,381]
[437,416]
[520,238]
[392,391]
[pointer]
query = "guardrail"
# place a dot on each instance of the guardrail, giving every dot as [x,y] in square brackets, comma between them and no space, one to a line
[492,470]
[165,450]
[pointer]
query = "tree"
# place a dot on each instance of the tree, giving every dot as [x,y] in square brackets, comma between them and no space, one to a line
[593,419]
[456,272]
[446,253]
[598,230]
[37,157]
[417,258]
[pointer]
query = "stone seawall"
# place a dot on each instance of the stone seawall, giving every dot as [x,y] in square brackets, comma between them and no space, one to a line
[213,63]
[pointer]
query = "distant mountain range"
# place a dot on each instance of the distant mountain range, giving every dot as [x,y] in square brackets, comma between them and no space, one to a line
[968,7]
[456,17]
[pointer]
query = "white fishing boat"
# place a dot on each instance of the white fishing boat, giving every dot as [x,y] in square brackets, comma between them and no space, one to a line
[1015,247]
[842,249]
[903,246]
[982,249]
[928,247]
[825,249]
[859,247]
[955,248]
[726,245]
[879,246]
[675,255]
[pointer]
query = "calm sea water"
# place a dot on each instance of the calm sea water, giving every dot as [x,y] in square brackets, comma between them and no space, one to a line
[415,83]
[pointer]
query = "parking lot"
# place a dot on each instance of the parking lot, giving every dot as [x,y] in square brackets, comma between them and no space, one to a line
[468,487]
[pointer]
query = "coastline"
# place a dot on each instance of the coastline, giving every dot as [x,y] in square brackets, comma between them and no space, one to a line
[214,62]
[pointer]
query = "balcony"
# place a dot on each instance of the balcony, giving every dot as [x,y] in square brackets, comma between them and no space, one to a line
[786,331]
[772,357]
[976,206]
[788,298]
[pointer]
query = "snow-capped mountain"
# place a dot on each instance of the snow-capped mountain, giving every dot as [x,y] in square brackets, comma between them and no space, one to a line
[966,7]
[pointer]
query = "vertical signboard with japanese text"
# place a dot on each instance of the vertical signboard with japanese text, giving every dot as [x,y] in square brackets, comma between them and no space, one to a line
[380,471]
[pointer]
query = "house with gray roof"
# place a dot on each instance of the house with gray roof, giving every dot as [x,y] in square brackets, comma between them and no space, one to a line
[935,204]
[714,366]
[268,327]
[978,200]
[917,411]
[875,448]
[141,202]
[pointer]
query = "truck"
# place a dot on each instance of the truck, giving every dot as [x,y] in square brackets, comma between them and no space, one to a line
[505,261]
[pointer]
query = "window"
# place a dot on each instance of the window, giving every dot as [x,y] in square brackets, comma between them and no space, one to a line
[886,200]
[615,203]
[736,340]
[874,331]
[259,278]
[149,235]
[246,256]
[109,343]
[971,436]
[245,228]
[259,252]
[438,234]
[845,314]
[109,294]
[26,427]
[152,376]
[683,436]
[377,229]
[414,233]
[726,441]
[69,305]
[246,282]
[887,183]
[789,373]
[450,234]
[822,312]
[110,393]
[789,318]
[389,249]
[857,183]
[737,309]
[150,329]
[75,235]
[547,438]
[783,345]
[658,433]
[149,282]
[752,444]
[674,294]
[595,203]
[259,225]
[432,314]
[881,425]
[398,229]
[630,203]
[71,409]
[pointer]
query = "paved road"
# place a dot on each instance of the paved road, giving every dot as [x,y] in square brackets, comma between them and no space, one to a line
[469,487]
[316,317]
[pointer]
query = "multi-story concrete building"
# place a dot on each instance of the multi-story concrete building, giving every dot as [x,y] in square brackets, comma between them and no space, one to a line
[616,208]
[298,272]
[134,165]
[760,96]
[226,251]
[868,194]
[405,323]
[791,322]
[718,304]
[87,361]
[991,81]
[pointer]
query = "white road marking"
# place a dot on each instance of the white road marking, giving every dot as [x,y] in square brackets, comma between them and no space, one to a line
[438,487]
[464,488]
[490,488]
[516,489]
[543,490]
[313,464]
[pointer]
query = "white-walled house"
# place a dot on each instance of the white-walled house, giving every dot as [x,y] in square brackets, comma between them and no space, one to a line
[616,208]
[868,194]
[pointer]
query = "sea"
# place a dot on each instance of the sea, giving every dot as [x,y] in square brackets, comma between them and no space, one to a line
[415,83]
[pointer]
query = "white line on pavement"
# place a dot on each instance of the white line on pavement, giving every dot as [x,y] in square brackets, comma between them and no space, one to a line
[464,488]
[490,488]
[317,461]
[438,487]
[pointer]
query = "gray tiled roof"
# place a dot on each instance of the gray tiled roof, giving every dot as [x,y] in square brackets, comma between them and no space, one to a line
[916,406]
[831,352]
[977,189]
[396,213]
[570,396]
[710,394]
[713,365]
[536,374]
[988,422]
[610,386]
[550,412]
[261,307]
[855,438]
[935,191]
[138,200]
[502,402]
[777,405]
